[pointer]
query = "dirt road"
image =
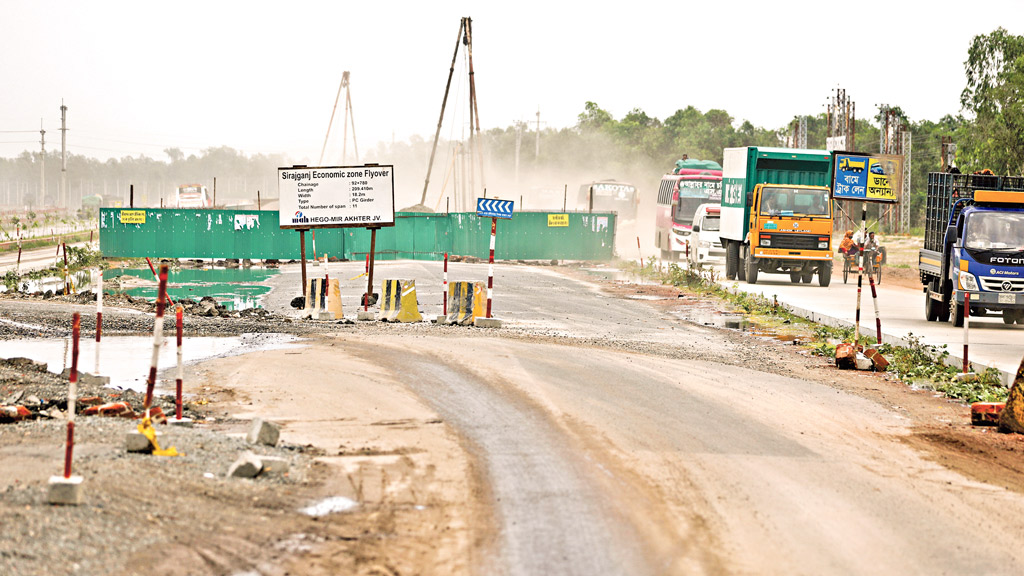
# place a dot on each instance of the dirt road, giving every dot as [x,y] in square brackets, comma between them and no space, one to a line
[597,433]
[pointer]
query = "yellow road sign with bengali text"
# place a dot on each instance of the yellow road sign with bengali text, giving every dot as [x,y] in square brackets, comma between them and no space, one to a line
[558,220]
[133,216]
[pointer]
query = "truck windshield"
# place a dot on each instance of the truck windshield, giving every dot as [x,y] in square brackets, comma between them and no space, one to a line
[712,224]
[995,231]
[794,202]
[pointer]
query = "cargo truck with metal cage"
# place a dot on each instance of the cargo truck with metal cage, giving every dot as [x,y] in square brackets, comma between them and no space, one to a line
[777,213]
[973,244]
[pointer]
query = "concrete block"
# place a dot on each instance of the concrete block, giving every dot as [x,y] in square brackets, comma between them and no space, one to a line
[441,319]
[184,422]
[65,491]
[325,315]
[863,362]
[263,432]
[274,466]
[486,322]
[877,360]
[986,413]
[846,356]
[366,315]
[248,466]
[136,442]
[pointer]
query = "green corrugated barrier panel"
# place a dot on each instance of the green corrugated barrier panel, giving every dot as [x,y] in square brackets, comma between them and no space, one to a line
[254,234]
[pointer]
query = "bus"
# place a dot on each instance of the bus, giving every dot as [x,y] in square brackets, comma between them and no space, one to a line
[609,196]
[693,183]
[192,196]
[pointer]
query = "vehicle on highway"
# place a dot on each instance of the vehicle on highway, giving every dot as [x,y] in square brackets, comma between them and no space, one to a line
[777,214]
[973,245]
[609,196]
[692,183]
[705,242]
[192,196]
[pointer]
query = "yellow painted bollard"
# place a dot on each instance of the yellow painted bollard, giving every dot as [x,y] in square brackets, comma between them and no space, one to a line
[398,302]
[460,303]
[323,298]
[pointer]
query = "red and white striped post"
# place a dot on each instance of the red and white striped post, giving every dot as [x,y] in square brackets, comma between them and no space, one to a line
[99,316]
[158,337]
[76,323]
[444,294]
[366,298]
[179,313]
[157,278]
[490,266]
[639,252]
[860,272]
[967,327]
[874,300]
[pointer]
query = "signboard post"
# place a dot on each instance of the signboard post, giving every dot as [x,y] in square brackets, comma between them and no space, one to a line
[493,209]
[866,178]
[337,197]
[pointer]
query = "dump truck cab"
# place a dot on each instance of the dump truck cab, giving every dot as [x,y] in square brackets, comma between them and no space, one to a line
[790,232]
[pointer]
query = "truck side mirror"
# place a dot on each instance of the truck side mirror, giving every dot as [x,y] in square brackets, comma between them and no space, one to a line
[696,227]
[950,235]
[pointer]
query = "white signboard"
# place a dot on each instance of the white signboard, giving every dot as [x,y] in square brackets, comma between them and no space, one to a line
[835,143]
[337,196]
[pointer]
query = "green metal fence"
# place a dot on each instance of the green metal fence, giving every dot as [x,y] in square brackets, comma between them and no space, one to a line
[253,234]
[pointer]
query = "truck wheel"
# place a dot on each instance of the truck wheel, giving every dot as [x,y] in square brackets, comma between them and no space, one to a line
[931,307]
[794,277]
[807,275]
[741,264]
[751,266]
[732,255]
[825,275]
[956,313]
[1008,317]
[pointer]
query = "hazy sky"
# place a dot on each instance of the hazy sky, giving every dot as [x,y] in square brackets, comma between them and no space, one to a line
[139,77]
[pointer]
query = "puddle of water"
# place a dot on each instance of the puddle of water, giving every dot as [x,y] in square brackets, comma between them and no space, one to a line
[125,359]
[82,281]
[330,506]
[235,288]
[648,297]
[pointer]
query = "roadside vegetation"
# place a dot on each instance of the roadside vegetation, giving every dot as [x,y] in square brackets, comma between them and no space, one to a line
[915,363]
[79,259]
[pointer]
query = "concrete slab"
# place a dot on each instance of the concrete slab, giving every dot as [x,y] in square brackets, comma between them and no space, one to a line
[248,466]
[65,491]
[184,422]
[136,442]
[366,315]
[263,432]
[487,323]
[274,466]
[441,319]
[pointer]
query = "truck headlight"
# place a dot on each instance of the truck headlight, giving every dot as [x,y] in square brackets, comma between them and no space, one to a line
[704,244]
[766,241]
[968,282]
[823,245]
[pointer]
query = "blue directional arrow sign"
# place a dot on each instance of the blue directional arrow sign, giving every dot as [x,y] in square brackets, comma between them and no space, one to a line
[491,208]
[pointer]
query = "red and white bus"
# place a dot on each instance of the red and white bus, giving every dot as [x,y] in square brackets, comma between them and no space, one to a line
[192,196]
[678,198]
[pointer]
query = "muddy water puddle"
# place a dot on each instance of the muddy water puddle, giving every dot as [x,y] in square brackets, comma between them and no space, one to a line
[125,359]
[235,288]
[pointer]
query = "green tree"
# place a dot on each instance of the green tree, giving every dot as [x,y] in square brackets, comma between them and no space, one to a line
[995,97]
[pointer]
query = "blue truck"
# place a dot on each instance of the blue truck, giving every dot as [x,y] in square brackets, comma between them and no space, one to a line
[973,247]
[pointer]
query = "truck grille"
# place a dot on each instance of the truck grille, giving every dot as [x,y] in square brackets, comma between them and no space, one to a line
[995,284]
[794,241]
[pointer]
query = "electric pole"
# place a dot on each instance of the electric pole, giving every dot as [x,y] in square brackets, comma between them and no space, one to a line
[948,153]
[536,148]
[63,199]
[42,163]
[904,207]
[841,122]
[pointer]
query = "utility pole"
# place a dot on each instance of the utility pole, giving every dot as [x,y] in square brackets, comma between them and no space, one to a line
[841,124]
[64,199]
[536,148]
[802,133]
[348,118]
[465,38]
[948,153]
[904,207]
[42,163]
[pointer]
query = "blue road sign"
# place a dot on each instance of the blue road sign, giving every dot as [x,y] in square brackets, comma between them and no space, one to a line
[491,208]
